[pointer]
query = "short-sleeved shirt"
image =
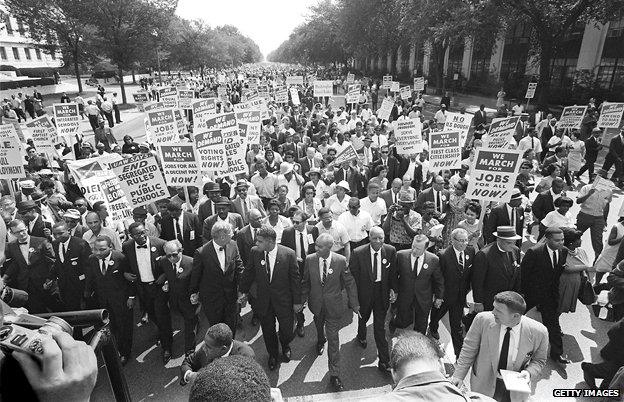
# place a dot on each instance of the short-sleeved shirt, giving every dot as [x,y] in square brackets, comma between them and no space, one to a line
[265,187]
[376,209]
[397,231]
[595,204]
[357,226]
[338,232]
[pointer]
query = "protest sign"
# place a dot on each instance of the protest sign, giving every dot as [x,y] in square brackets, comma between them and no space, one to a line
[253,84]
[385,109]
[169,97]
[252,131]
[234,143]
[281,96]
[43,138]
[572,117]
[9,131]
[530,93]
[180,122]
[221,91]
[346,155]
[602,184]
[180,165]
[185,99]
[116,202]
[67,119]
[153,106]
[11,163]
[458,122]
[140,179]
[350,78]
[610,115]
[336,102]
[294,80]
[493,174]
[255,104]
[406,93]
[163,126]
[141,98]
[501,132]
[89,174]
[444,150]
[395,86]
[294,96]
[386,82]
[202,108]
[323,88]
[44,123]
[353,94]
[263,91]
[419,84]
[408,136]
[210,151]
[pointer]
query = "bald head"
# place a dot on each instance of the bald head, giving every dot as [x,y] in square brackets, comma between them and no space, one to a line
[324,243]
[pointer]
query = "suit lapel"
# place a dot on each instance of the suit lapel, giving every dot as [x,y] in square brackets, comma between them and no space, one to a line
[524,347]
[367,263]
[493,339]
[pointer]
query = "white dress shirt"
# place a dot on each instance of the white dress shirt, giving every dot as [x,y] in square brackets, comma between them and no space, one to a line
[372,257]
[421,260]
[220,251]
[328,260]
[463,256]
[514,342]
[272,257]
[357,225]
[144,262]
[375,209]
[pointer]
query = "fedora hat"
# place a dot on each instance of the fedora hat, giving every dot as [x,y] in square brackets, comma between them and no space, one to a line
[26,206]
[242,183]
[506,233]
[313,170]
[405,198]
[516,194]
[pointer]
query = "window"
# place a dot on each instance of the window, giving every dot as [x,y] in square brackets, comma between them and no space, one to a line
[9,28]
[3,55]
[16,55]
[38,53]
[20,28]
[27,51]
[616,28]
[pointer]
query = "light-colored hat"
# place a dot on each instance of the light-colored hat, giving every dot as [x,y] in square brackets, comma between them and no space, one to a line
[29,184]
[344,184]
[286,167]
[72,214]
[506,233]
[242,183]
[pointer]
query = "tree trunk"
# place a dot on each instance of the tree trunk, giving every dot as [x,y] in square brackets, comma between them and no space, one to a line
[543,84]
[201,72]
[122,86]
[77,72]
[133,77]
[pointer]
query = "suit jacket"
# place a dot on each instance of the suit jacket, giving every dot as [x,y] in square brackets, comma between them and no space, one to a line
[480,117]
[191,232]
[215,286]
[288,238]
[592,147]
[179,283]
[387,197]
[284,289]
[32,274]
[427,195]
[616,147]
[543,204]
[328,295]
[79,231]
[354,178]
[456,279]
[199,359]
[539,279]
[417,289]
[500,217]
[547,134]
[490,276]
[481,350]
[38,228]
[254,201]
[362,271]
[233,218]
[305,164]
[245,242]
[205,210]
[71,272]
[393,168]
[111,288]
[156,252]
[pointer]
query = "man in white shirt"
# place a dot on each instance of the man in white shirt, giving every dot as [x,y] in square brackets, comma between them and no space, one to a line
[440,115]
[373,204]
[342,241]
[357,222]
[289,178]
[96,229]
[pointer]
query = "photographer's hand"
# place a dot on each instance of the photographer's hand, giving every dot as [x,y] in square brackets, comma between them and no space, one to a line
[67,372]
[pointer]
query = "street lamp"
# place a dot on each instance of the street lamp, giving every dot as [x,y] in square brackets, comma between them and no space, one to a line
[155,34]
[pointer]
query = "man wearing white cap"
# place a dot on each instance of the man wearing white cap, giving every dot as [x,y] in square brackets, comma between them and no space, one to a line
[290,179]
[72,219]
[27,187]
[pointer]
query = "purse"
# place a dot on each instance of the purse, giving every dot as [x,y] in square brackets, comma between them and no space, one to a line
[586,293]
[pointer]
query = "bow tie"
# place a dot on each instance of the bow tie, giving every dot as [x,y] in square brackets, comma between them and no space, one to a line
[143,246]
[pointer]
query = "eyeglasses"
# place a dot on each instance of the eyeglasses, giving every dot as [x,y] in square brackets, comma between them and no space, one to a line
[296,222]
[172,254]
[384,152]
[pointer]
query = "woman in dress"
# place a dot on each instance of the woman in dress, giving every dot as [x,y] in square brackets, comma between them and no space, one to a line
[552,171]
[283,200]
[321,189]
[577,263]
[458,203]
[559,218]
[338,203]
[472,211]
[275,220]
[271,162]
[309,203]
[576,155]
[604,262]
[500,98]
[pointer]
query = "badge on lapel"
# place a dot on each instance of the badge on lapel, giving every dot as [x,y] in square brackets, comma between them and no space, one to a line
[425,266]
[31,250]
[111,263]
[179,270]
[262,262]
[330,271]
[74,263]
[153,249]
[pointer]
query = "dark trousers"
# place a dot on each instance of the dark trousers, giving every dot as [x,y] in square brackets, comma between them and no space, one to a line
[269,333]
[379,309]
[20,114]
[41,301]
[300,316]
[109,118]
[415,314]
[226,312]
[421,317]
[611,160]
[121,324]
[550,319]
[605,370]
[117,115]
[589,166]
[156,306]
[456,312]
[596,225]
[181,302]
[93,121]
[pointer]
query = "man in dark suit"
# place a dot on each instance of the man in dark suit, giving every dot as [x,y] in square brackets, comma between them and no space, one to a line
[352,176]
[480,116]
[71,254]
[310,161]
[456,265]
[245,240]
[143,253]
[509,214]
[387,160]
[177,268]
[218,342]
[559,159]
[547,134]
[300,238]
[212,191]
[29,267]
[217,268]
[592,147]
[184,227]
[325,275]
[436,194]
[541,268]
[391,196]
[496,268]
[417,281]
[615,156]
[372,266]
[223,206]
[545,201]
[105,278]
[35,224]
[274,269]
[613,359]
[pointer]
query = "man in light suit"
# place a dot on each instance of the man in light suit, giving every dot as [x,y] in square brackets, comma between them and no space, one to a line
[325,274]
[417,279]
[502,339]
[243,203]
[223,206]
[372,266]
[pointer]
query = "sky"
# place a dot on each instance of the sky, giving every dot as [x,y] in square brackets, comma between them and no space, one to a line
[267,22]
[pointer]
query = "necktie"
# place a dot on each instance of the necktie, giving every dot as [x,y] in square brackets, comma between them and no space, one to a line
[375,267]
[311,163]
[415,267]
[102,267]
[324,272]
[268,266]
[461,260]
[255,232]
[302,246]
[176,222]
[438,202]
[64,251]
[554,261]
[502,360]
[244,202]
[512,218]
[143,246]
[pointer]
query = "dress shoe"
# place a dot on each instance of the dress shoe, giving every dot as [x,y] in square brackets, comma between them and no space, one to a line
[299,331]
[587,376]
[166,356]
[434,334]
[383,367]
[123,360]
[286,354]
[362,343]
[336,384]
[320,348]
[560,359]
[272,363]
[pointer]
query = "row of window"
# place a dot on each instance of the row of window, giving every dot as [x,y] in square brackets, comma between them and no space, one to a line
[21,29]
[27,53]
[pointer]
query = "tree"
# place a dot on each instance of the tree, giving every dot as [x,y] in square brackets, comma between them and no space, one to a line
[63,25]
[126,27]
[552,21]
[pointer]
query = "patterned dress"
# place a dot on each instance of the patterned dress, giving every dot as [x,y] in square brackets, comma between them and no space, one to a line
[455,215]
